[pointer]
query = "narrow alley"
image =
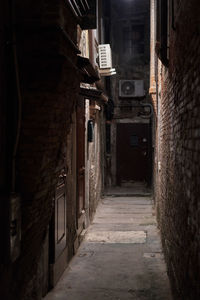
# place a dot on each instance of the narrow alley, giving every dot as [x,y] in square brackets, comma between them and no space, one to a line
[120,257]
[100,149]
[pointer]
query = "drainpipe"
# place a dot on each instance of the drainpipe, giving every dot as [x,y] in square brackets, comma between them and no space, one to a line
[91,47]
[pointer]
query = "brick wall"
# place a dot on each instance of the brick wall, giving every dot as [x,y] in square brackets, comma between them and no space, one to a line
[49,86]
[96,169]
[177,196]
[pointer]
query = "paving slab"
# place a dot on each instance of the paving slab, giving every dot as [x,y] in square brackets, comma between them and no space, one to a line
[121,237]
[120,258]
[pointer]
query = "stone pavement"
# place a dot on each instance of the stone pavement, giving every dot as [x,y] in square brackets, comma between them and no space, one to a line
[120,257]
[129,189]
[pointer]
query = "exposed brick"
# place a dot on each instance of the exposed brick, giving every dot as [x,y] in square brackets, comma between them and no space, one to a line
[177,196]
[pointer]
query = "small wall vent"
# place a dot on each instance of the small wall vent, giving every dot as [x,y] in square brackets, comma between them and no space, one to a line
[131,88]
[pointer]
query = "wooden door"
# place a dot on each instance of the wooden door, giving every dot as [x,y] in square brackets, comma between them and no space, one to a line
[132,152]
[60,215]
[58,231]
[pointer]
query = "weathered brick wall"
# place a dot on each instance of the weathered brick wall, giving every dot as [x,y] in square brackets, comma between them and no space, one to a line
[178,196]
[49,86]
[154,144]
[96,167]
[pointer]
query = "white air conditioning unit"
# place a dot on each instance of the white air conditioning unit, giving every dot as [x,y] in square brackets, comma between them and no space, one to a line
[131,88]
[105,57]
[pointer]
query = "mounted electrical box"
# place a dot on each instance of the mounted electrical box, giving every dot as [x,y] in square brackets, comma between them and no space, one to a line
[90,131]
[105,61]
[131,88]
[105,57]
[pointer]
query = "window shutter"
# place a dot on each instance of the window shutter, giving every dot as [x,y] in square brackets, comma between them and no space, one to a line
[85,10]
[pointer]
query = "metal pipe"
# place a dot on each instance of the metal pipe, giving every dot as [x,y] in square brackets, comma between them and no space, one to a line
[91,46]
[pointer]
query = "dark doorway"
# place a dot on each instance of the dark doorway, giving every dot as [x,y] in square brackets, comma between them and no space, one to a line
[133,155]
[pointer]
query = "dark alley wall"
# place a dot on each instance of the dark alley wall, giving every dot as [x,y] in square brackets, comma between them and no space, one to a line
[46,49]
[178,173]
[51,172]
